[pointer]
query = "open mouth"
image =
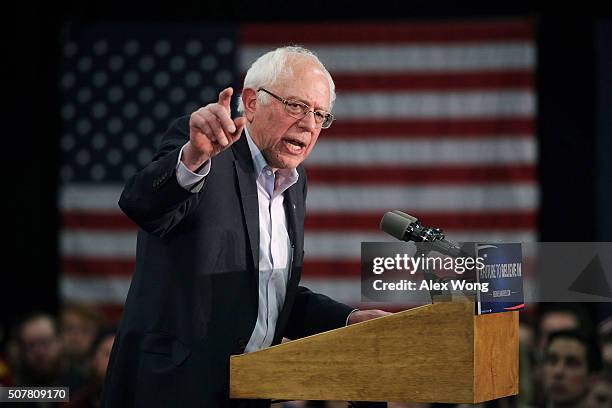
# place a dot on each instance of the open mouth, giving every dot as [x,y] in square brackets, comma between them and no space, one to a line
[294,145]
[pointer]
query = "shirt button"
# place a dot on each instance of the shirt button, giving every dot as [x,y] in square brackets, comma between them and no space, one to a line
[268,172]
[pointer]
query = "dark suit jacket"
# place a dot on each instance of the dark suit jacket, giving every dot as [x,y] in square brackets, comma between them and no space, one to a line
[193,298]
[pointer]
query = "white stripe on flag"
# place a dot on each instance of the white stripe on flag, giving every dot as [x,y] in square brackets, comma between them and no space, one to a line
[99,244]
[104,290]
[92,197]
[365,197]
[411,58]
[347,245]
[455,198]
[379,151]
[438,105]
[329,245]
[114,290]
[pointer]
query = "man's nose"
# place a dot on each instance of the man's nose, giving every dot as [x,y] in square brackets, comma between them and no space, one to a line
[308,121]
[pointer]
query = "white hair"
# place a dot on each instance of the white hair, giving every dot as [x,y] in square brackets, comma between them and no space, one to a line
[271,67]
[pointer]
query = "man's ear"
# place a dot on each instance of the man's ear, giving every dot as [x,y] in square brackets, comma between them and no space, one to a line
[249,100]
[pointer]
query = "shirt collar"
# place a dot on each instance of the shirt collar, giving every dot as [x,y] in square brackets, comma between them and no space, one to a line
[287,177]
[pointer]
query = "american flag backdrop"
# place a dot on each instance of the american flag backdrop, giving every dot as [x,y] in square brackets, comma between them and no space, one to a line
[433,118]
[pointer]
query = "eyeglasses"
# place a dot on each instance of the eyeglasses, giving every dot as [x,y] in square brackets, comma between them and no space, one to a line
[299,110]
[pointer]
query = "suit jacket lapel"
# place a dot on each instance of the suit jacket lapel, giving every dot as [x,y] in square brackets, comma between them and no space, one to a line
[290,200]
[247,183]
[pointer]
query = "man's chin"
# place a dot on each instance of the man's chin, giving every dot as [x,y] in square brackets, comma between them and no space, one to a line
[282,161]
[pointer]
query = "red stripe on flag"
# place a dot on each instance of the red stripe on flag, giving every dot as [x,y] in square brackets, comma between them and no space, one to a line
[112,311]
[331,268]
[104,268]
[321,268]
[427,175]
[477,128]
[90,266]
[392,82]
[352,269]
[376,33]
[507,221]
[96,220]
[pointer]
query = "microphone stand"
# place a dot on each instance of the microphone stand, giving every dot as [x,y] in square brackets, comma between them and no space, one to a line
[427,236]
[436,295]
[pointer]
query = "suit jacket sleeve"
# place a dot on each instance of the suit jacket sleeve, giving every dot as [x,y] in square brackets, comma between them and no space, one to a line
[315,313]
[312,312]
[153,198]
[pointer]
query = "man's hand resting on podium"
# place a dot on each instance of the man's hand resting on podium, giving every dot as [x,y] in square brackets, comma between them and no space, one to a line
[363,315]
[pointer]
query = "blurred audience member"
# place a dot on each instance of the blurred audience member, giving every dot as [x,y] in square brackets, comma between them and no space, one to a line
[79,326]
[526,333]
[600,395]
[562,316]
[606,351]
[527,361]
[39,360]
[571,359]
[554,317]
[89,396]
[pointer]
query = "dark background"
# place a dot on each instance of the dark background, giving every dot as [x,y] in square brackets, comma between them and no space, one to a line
[574,91]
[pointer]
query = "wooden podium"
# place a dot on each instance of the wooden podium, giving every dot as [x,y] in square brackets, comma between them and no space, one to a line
[435,353]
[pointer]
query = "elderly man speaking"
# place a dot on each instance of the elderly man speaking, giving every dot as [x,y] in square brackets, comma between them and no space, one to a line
[220,211]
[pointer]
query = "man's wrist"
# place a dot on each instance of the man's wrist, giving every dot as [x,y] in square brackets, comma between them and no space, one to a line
[193,161]
[188,178]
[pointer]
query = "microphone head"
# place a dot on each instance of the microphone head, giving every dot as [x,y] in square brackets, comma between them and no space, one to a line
[407,216]
[395,223]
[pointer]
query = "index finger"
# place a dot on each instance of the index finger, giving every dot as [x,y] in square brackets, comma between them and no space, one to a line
[225,97]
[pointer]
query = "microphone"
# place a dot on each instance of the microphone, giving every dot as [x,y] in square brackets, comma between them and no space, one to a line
[405,227]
